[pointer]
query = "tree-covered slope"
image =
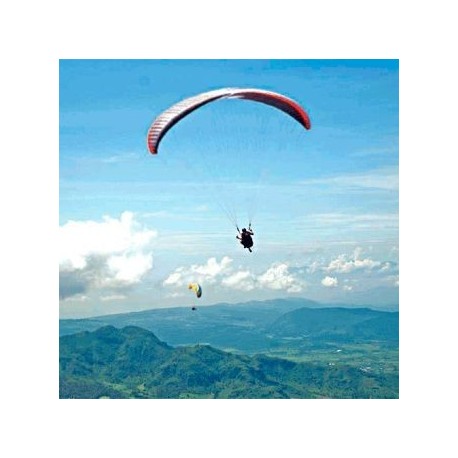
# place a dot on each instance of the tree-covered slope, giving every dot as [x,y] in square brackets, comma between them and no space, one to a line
[133,363]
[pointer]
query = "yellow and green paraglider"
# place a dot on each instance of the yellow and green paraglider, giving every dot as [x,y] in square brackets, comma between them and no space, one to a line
[197,289]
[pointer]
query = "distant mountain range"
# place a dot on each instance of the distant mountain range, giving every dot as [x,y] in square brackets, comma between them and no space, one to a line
[254,327]
[337,324]
[132,362]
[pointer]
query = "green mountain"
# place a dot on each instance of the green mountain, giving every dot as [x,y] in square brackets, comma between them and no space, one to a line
[338,324]
[133,363]
[252,327]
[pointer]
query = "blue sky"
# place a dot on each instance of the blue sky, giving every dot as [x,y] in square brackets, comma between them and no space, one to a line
[135,228]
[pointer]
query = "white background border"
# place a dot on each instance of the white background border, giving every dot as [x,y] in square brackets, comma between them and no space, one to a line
[35,35]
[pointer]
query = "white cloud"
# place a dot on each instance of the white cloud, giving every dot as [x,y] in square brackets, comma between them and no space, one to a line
[242,280]
[279,277]
[115,158]
[376,151]
[175,278]
[175,294]
[212,268]
[329,282]
[386,178]
[76,298]
[346,264]
[208,273]
[114,253]
[112,297]
[120,157]
[356,221]
[276,277]
[129,268]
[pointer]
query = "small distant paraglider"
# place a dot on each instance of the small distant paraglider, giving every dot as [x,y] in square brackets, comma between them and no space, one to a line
[197,289]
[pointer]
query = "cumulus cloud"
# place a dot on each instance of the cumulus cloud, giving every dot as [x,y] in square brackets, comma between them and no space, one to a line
[351,264]
[111,254]
[212,268]
[276,277]
[279,277]
[242,280]
[346,264]
[208,273]
[329,282]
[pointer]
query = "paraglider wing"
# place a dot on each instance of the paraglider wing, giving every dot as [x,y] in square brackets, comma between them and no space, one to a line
[175,113]
[196,288]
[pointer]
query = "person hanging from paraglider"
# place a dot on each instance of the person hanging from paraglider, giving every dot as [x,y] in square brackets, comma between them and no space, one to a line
[197,289]
[245,237]
[180,110]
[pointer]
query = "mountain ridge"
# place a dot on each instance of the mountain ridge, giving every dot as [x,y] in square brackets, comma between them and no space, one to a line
[249,327]
[132,362]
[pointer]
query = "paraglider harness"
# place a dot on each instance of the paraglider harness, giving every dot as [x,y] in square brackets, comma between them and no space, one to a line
[245,237]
